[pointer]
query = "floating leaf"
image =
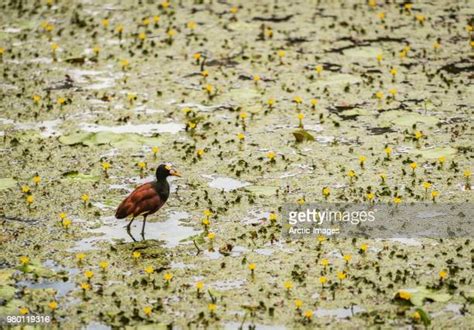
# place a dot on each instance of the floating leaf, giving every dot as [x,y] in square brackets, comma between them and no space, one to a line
[7,183]
[302,135]
[262,190]
[424,317]
[420,294]
[435,153]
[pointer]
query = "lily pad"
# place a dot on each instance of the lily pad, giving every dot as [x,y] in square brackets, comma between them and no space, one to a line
[7,292]
[11,308]
[337,79]
[365,52]
[244,94]
[7,183]
[117,140]
[35,267]
[6,276]
[420,294]
[302,135]
[74,138]
[435,153]
[76,176]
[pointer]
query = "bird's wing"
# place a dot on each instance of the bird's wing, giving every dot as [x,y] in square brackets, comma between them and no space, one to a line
[143,199]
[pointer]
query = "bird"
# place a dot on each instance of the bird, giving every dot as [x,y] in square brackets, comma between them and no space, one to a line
[147,198]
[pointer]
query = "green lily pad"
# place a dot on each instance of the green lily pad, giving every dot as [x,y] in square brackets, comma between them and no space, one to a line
[302,135]
[7,183]
[117,140]
[244,94]
[262,190]
[435,153]
[420,294]
[74,138]
[35,267]
[6,276]
[11,308]
[76,176]
[7,292]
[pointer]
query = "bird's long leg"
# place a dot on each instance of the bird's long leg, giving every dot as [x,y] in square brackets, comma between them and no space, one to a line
[143,226]
[130,225]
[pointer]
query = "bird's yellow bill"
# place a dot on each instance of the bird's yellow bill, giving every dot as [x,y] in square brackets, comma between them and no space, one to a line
[175,173]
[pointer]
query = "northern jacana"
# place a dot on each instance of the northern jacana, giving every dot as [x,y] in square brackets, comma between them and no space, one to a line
[147,198]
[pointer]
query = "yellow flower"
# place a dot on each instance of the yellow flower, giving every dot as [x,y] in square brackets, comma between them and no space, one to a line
[413,165]
[416,315]
[141,165]
[301,201]
[408,6]
[89,274]
[326,191]
[36,99]
[467,174]
[323,279]
[2,50]
[30,199]
[341,275]
[25,189]
[281,53]
[191,125]
[53,305]
[436,45]
[205,222]
[379,95]
[119,28]
[370,196]
[156,18]
[147,310]
[36,179]
[142,36]
[319,69]
[321,238]
[381,15]
[234,10]
[351,173]
[241,136]
[212,308]
[155,150]
[256,78]
[393,72]
[392,92]
[205,73]
[441,159]
[24,260]
[124,63]
[207,213]
[300,116]
[105,166]
[298,303]
[80,256]
[372,3]
[54,47]
[165,4]
[105,22]
[149,270]
[405,295]
[271,155]
[62,215]
[397,200]
[103,265]
[364,247]
[96,50]
[85,286]
[379,58]
[271,102]
[67,223]
[272,216]
[308,314]
[243,115]
[313,102]
[434,194]
[288,285]
[297,100]
[200,152]
[197,56]
[85,198]
[443,274]
[347,258]
[61,100]
[252,267]
[426,185]
[199,285]
[136,254]
[324,262]
[24,311]
[209,88]
[146,21]
[420,18]
[171,33]
[191,25]
[211,236]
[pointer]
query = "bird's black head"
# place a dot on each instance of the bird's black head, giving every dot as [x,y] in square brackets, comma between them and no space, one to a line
[165,170]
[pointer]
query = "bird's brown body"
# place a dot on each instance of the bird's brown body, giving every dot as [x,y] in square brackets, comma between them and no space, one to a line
[144,200]
[147,198]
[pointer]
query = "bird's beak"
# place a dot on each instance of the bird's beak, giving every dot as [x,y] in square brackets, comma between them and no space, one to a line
[175,173]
